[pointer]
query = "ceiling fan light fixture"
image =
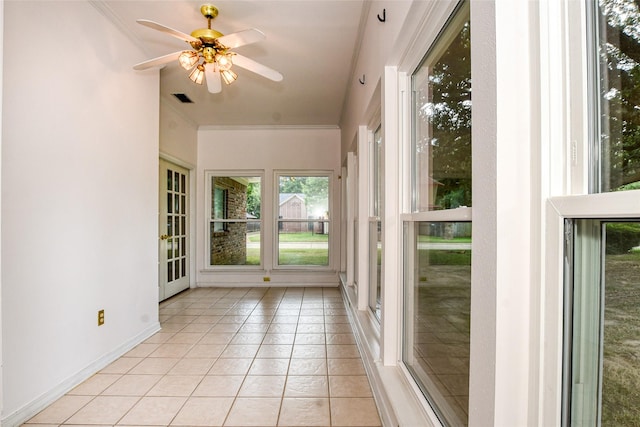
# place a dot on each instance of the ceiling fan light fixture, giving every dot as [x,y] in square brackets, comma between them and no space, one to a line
[188,59]
[224,61]
[228,76]
[197,75]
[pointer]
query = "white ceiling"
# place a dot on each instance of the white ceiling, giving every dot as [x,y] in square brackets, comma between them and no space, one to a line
[311,42]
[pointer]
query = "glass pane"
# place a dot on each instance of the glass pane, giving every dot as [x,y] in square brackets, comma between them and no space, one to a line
[375,262]
[183,247]
[621,347]
[236,197]
[619,58]
[303,197]
[183,262]
[177,204]
[170,271]
[437,314]
[170,203]
[183,225]
[176,182]
[183,185]
[377,172]
[169,248]
[442,115]
[303,242]
[176,226]
[169,179]
[183,204]
[170,225]
[238,244]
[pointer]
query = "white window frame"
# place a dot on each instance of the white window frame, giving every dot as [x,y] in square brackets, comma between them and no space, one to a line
[209,175]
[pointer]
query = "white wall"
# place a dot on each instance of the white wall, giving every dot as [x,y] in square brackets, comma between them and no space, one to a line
[378,41]
[267,150]
[178,135]
[79,200]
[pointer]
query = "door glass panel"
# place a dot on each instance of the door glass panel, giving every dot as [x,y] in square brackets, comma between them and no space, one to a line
[375,262]
[176,182]
[437,314]
[170,203]
[170,225]
[169,179]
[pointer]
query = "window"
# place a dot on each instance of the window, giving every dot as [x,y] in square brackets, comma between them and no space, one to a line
[603,322]
[234,222]
[617,150]
[375,224]
[303,220]
[437,232]
[602,236]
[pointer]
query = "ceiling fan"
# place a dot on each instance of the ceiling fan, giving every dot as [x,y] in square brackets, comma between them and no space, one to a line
[210,57]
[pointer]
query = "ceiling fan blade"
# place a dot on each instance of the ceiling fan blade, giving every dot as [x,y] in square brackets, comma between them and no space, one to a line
[155,62]
[162,28]
[212,76]
[241,38]
[253,66]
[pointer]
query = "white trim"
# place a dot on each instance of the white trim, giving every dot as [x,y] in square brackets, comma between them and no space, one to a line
[267,127]
[363,218]
[39,403]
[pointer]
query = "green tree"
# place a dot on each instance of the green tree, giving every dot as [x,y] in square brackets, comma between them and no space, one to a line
[253,199]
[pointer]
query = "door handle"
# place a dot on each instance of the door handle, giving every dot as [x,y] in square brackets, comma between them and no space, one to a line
[164,237]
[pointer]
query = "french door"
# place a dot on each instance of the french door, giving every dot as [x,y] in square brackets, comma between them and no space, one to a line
[173,247]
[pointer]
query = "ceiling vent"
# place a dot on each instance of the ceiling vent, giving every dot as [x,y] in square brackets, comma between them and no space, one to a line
[183,98]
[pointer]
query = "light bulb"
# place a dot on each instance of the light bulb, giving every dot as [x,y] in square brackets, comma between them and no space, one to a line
[228,76]
[224,61]
[188,59]
[197,75]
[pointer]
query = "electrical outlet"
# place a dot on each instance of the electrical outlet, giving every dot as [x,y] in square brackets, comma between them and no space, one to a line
[266,279]
[100,317]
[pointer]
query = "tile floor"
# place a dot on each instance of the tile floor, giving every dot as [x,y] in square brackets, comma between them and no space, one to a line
[232,357]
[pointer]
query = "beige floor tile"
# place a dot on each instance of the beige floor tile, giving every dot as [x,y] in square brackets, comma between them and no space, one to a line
[60,410]
[361,412]
[203,411]
[158,338]
[302,338]
[349,386]
[236,351]
[342,351]
[278,339]
[217,338]
[191,367]
[176,385]
[230,367]
[276,351]
[282,328]
[285,319]
[262,386]
[304,412]
[247,338]
[306,386]
[183,337]
[338,328]
[219,386]
[156,411]
[254,328]
[122,365]
[269,367]
[336,319]
[311,328]
[103,410]
[205,351]
[340,339]
[171,350]
[310,319]
[154,365]
[310,351]
[197,326]
[308,367]
[247,412]
[132,385]
[351,366]
[142,350]
[225,327]
[95,385]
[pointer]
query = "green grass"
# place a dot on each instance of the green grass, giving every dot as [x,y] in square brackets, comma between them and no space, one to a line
[435,239]
[294,237]
[303,257]
[439,257]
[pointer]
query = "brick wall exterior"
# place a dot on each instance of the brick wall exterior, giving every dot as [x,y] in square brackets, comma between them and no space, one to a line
[229,247]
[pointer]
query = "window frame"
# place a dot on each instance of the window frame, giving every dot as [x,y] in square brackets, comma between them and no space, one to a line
[276,219]
[209,176]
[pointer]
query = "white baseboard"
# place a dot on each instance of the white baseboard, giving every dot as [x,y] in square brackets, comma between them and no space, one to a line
[32,408]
